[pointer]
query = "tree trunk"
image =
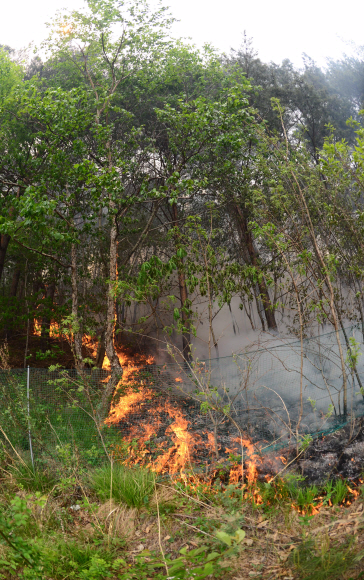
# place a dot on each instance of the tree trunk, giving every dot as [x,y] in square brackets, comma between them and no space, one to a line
[4,242]
[110,312]
[251,256]
[100,355]
[15,281]
[186,336]
[116,368]
[77,332]
[46,319]
[9,326]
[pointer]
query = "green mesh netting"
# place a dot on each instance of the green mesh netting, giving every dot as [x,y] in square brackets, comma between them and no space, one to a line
[269,394]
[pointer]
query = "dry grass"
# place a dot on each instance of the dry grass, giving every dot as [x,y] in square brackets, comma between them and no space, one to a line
[117,520]
[185,521]
[266,552]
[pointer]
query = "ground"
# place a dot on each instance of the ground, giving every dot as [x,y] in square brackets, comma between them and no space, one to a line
[64,524]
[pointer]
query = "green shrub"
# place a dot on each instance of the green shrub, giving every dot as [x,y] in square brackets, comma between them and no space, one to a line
[134,487]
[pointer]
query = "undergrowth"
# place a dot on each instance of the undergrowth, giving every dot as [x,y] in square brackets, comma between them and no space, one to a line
[133,486]
[69,519]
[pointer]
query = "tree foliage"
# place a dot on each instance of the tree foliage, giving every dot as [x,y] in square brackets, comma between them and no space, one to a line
[146,185]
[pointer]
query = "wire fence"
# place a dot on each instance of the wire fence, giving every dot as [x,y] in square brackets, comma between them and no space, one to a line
[270,394]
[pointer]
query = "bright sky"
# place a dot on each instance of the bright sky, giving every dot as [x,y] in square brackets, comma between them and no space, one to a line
[280,28]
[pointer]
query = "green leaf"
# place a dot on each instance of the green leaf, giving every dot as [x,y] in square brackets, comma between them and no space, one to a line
[224,537]
[239,536]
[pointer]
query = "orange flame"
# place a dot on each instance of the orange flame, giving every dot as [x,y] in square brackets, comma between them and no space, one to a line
[54,330]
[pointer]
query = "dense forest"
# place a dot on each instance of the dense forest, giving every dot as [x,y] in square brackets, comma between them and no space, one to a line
[148,187]
[166,204]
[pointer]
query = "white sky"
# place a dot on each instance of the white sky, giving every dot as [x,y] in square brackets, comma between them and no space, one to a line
[280,28]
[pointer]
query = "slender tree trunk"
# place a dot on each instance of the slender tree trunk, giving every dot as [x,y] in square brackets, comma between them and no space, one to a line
[101,351]
[46,320]
[110,311]
[116,368]
[15,281]
[4,242]
[77,333]
[251,256]
[258,305]
[186,336]
[119,322]
[12,296]
[248,313]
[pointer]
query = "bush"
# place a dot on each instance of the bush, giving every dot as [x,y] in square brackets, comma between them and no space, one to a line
[134,487]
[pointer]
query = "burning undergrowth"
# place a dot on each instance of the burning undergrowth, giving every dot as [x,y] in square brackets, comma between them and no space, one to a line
[169,433]
[166,433]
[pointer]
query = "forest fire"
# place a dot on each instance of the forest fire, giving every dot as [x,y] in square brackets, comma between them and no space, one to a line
[166,435]
[54,329]
[163,429]
[179,444]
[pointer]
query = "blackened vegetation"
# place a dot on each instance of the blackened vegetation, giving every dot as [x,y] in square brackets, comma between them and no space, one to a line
[336,455]
[339,454]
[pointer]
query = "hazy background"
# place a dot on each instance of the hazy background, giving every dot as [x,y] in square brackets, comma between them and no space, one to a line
[280,29]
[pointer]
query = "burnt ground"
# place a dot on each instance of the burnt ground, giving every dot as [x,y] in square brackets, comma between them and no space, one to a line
[337,455]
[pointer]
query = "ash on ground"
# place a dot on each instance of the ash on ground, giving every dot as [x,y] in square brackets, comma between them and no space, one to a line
[337,455]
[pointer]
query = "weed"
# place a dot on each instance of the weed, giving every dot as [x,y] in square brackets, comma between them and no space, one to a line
[305,497]
[14,526]
[328,489]
[322,562]
[229,498]
[339,492]
[77,556]
[37,478]
[134,487]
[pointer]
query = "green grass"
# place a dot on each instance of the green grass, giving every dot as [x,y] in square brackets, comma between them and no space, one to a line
[340,491]
[131,486]
[305,496]
[51,540]
[324,562]
[37,478]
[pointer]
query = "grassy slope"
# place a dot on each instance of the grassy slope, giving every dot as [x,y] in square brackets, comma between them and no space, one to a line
[59,523]
[69,524]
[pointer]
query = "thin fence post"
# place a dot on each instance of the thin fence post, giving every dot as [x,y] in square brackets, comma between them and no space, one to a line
[28,404]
